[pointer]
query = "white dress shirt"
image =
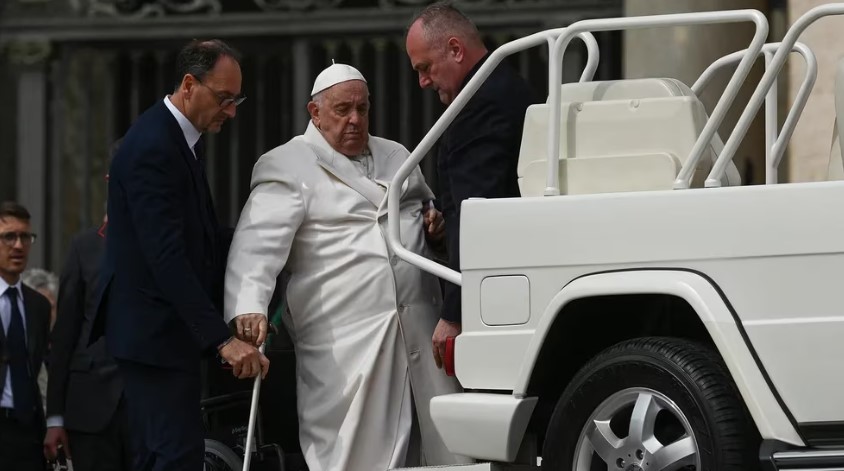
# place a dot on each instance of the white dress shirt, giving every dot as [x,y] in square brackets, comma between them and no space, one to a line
[6,316]
[192,135]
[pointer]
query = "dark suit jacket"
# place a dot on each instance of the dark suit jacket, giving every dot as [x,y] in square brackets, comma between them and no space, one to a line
[164,259]
[478,156]
[37,313]
[84,386]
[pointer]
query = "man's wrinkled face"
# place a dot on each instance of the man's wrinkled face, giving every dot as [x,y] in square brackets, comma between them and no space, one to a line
[213,100]
[14,247]
[438,64]
[342,116]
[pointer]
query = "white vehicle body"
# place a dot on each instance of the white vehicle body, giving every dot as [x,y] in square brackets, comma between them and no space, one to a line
[610,229]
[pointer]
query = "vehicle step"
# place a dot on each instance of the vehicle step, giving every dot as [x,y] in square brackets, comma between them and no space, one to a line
[810,460]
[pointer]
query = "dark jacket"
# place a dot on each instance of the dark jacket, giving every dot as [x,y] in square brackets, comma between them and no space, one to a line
[161,284]
[37,313]
[478,156]
[84,385]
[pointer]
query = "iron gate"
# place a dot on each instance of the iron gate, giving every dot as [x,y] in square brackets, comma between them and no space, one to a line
[115,58]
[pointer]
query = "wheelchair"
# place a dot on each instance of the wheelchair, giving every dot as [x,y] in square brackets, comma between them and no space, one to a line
[226,436]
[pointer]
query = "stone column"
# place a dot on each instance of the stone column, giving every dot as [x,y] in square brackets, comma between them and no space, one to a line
[301,84]
[810,145]
[685,52]
[30,58]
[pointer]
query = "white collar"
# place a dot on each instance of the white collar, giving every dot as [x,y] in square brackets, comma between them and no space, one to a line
[188,129]
[314,136]
[4,286]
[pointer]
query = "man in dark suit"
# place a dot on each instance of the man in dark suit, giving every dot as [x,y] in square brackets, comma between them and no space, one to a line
[479,152]
[25,316]
[161,281]
[85,413]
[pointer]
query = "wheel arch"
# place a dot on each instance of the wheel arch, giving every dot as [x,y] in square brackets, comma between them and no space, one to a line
[632,303]
[685,377]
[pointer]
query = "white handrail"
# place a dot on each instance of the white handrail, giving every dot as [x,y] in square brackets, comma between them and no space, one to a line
[765,84]
[682,19]
[774,144]
[778,150]
[771,123]
[707,75]
[394,193]
[593,56]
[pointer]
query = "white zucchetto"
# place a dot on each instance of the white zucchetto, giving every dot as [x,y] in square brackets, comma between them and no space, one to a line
[334,74]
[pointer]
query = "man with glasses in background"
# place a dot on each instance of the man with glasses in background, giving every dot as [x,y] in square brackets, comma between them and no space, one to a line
[159,299]
[25,316]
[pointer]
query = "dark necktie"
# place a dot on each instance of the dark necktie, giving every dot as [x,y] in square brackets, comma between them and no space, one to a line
[199,150]
[18,361]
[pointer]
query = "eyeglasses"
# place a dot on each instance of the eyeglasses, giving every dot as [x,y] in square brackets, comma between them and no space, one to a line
[222,100]
[10,238]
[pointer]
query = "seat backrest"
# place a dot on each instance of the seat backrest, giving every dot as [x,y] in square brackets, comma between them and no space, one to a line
[836,163]
[624,135]
[623,89]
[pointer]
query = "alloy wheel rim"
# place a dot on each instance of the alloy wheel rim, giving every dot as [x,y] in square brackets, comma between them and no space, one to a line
[637,429]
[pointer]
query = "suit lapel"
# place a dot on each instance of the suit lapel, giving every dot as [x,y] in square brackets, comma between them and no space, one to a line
[201,181]
[386,167]
[32,324]
[2,339]
[3,357]
[36,338]
[339,166]
[189,159]
[366,188]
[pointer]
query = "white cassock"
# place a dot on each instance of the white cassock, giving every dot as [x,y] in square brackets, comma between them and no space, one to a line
[360,318]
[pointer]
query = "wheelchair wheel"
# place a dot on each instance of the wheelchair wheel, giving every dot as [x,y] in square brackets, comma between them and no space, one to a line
[219,457]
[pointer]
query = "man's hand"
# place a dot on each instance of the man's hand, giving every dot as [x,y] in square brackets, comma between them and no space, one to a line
[252,328]
[56,438]
[246,361]
[434,224]
[444,330]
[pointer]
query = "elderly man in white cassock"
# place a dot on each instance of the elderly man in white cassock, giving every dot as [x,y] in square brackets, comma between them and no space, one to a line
[360,318]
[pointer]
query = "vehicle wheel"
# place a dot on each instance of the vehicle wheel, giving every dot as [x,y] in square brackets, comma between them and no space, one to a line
[651,404]
[219,457]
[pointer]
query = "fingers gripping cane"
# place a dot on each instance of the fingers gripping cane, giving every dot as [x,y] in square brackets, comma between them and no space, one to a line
[253,415]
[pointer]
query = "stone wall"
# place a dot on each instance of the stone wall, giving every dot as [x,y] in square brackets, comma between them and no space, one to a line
[684,53]
[809,149]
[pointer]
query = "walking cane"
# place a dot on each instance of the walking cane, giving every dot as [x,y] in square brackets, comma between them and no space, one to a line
[253,415]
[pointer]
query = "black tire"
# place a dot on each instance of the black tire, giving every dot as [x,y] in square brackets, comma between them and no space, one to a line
[219,457]
[686,382]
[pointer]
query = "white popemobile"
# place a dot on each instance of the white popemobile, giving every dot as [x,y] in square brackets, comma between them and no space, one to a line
[637,308]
